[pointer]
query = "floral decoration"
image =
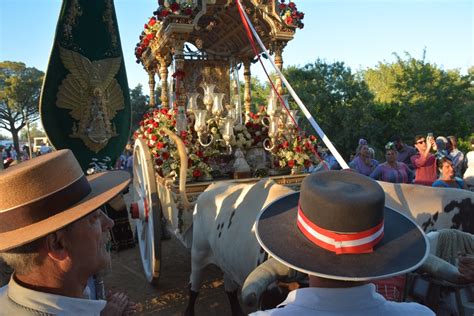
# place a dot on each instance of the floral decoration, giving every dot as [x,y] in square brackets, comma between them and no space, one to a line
[165,8]
[164,150]
[293,151]
[290,14]
[300,151]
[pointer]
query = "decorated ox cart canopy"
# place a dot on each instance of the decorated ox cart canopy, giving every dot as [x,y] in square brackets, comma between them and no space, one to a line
[219,37]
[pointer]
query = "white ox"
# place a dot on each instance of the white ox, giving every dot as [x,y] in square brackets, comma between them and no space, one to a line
[223,234]
[223,230]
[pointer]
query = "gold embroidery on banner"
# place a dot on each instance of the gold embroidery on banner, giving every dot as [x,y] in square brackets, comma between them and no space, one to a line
[93,95]
[107,17]
[70,20]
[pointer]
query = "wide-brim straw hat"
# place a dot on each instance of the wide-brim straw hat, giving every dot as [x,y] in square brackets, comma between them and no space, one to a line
[44,194]
[338,227]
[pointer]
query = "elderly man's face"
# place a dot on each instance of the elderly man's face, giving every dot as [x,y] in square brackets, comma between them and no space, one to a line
[87,243]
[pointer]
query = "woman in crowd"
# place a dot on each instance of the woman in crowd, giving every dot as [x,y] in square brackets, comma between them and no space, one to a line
[392,170]
[363,164]
[447,177]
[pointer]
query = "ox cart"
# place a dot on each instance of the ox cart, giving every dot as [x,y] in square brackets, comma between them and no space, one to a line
[158,200]
[202,115]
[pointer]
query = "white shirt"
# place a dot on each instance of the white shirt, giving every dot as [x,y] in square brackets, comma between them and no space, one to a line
[469,173]
[360,301]
[20,301]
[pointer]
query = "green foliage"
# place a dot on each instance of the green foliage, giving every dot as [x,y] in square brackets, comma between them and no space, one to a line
[139,104]
[464,144]
[416,97]
[260,92]
[20,88]
[338,100]
[405,98]
[34,132]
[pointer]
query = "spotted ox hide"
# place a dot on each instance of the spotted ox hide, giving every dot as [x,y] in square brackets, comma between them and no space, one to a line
[432,208]
[224,232]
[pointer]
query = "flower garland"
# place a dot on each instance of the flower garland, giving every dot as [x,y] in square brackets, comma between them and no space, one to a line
[164,151]
[298,152]
[293,151]
[165,8]
[290,14]
[150,30]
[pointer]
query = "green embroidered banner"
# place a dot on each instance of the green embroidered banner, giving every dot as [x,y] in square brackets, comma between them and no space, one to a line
[85,103]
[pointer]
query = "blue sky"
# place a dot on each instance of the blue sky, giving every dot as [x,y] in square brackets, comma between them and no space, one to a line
[358,32]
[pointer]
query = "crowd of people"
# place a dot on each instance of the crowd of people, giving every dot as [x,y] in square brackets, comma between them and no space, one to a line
[430,161]
[10,156]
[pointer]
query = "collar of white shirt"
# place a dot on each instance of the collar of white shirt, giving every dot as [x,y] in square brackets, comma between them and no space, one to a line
[51,303]
[340,299]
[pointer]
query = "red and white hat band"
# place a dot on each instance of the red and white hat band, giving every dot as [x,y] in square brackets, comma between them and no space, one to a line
[340,243]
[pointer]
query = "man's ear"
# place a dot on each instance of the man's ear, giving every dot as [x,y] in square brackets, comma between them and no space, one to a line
[56,245]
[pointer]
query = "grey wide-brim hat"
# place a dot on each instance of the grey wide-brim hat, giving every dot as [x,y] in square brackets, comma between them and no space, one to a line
[346,202]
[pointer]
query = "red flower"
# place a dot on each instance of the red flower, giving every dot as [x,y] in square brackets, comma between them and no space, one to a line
[141,123]
[200,154]
[155,124]
[164,111]
[190,162]
[312,138]
[154,138]
[197,173]
[165,155]
[174,7]
[158,162]
[184,134]
[159,145]
[149,36]
[282,6]
[298,149]
[150,130]
[164,14]
[291,163]
[292,5]
[285,145]
[289,20]
[152,21]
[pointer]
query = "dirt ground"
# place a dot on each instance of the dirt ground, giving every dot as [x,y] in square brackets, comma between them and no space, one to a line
[171,295]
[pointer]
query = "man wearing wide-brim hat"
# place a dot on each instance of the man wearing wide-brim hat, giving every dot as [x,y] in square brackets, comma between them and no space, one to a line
[338,230]
[51,234]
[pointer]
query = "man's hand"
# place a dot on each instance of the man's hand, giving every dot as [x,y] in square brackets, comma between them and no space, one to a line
[118,304]
[466,267]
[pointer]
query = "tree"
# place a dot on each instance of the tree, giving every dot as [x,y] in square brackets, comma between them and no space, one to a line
[139,103]
[416,97]
[20,88]
[35,131]
[338,99]
[259,91]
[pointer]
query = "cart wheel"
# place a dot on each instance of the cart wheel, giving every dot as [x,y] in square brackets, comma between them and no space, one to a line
[146,211]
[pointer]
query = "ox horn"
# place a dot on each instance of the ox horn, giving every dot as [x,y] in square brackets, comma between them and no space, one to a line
[183,157]
[260,278]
